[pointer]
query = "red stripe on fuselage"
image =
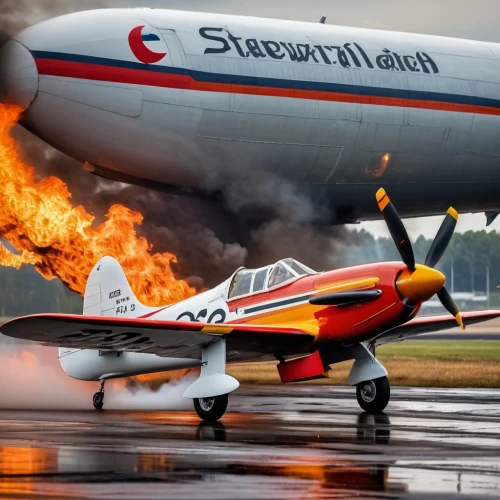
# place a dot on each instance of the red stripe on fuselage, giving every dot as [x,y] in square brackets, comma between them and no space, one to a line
[112,74]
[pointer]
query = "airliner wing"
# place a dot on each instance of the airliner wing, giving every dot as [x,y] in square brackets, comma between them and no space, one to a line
[429,324]
[164,338]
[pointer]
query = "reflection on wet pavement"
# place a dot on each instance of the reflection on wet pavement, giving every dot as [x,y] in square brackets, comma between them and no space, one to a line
[285,442]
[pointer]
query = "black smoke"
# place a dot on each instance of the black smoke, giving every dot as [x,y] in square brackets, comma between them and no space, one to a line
[260,217]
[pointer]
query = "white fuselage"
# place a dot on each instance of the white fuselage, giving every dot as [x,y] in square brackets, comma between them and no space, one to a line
[191,99]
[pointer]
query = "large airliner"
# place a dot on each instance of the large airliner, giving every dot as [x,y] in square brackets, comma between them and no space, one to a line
[173,99]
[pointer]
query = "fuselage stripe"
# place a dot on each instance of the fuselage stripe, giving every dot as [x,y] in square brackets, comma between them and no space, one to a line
[116,71]
[272,305]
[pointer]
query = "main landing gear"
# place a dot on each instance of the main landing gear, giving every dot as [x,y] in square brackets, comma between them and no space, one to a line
[210,393]
[373,395]
[211,409]
[98,398]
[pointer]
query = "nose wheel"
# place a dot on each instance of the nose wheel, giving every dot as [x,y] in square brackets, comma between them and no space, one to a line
[98,399]
[373,395]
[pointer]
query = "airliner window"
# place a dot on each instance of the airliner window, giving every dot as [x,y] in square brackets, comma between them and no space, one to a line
[241,284]
[260,280]
[279,275]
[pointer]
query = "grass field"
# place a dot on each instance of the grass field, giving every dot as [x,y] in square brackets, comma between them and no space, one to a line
[447,363]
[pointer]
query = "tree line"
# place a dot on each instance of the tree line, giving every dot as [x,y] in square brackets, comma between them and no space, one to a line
[470,254]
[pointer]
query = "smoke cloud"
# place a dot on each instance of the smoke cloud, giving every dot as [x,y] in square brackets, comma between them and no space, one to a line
[31,378]
[262,218]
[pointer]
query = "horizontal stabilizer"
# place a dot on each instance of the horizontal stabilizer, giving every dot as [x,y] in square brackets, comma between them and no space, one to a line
[345,298]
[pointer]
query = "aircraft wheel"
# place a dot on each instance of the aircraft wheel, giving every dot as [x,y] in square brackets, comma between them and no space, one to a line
[211,409]
[98,400]
[373,395]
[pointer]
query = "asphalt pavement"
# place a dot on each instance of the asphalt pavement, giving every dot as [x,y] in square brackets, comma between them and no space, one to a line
[293,442]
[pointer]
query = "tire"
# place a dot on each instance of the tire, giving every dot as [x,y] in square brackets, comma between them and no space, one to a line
[373,395]
[98,400]
[211,409]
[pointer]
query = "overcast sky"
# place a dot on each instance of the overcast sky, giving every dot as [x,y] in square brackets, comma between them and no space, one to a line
[460,18]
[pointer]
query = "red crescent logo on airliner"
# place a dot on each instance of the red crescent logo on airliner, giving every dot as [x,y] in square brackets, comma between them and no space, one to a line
[145,55]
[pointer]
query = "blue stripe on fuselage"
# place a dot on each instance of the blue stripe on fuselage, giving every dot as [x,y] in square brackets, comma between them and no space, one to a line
[257,81]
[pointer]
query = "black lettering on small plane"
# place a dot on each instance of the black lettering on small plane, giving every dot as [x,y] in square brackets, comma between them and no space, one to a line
[201,315]
[220,314]
[217,316]
[116,293]
[106,339]
[184,315]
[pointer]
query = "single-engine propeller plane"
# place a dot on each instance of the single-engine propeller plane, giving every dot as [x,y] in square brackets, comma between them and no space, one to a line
[286,312]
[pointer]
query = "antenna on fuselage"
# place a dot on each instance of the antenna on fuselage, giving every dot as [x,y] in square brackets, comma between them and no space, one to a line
[322,20]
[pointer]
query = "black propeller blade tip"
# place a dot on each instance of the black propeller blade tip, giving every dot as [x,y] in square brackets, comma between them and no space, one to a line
[442,239]
[396,228]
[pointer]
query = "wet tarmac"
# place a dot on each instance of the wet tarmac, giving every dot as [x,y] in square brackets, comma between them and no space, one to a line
[293,442]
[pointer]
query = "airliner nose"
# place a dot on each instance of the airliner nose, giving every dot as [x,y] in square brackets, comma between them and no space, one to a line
[18,75]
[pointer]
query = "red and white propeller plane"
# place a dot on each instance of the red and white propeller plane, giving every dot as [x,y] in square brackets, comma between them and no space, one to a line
[286,312]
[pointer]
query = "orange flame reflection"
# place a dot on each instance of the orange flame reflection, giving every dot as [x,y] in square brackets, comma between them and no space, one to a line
[57,238]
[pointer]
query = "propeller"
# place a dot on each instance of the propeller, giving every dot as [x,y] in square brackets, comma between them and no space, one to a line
[419,282]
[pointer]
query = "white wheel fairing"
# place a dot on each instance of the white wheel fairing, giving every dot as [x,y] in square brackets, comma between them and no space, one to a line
[365,367]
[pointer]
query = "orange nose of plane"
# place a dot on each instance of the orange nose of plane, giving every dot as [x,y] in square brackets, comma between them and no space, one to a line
[419,285]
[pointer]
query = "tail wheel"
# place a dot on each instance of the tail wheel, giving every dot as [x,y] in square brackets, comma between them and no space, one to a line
[211,409]
[98,400]
[373,395]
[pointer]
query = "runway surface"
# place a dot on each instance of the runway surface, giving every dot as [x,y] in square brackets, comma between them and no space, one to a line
[293,442]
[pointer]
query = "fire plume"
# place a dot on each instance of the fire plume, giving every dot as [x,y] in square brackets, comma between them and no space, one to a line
[59,240]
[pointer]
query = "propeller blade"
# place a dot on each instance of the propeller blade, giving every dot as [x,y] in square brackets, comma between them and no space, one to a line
[450,305]
[396,228]
[442,239]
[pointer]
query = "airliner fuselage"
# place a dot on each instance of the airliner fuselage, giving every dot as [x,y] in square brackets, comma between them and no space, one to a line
[182,99]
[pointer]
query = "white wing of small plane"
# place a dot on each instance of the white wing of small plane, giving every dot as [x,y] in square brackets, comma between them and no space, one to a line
[186,339]
[430,324]
[163,338]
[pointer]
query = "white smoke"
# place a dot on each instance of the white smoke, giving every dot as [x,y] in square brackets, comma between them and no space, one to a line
[31,378]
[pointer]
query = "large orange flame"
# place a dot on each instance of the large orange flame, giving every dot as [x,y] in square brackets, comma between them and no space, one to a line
[47,231]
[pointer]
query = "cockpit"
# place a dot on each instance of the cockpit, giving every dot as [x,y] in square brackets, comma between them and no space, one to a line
[249,281]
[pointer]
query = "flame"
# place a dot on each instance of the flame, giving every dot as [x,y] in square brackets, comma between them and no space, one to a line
[58,239]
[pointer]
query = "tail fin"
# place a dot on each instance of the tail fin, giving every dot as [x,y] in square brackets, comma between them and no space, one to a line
[108,292]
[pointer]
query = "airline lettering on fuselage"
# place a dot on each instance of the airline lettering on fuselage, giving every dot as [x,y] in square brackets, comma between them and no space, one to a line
[347,55]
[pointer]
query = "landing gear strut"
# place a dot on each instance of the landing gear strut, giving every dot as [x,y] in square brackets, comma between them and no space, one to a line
[98,398]
[373,395]
[211,409]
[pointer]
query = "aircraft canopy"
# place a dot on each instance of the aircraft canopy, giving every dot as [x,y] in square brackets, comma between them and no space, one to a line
[250,281]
